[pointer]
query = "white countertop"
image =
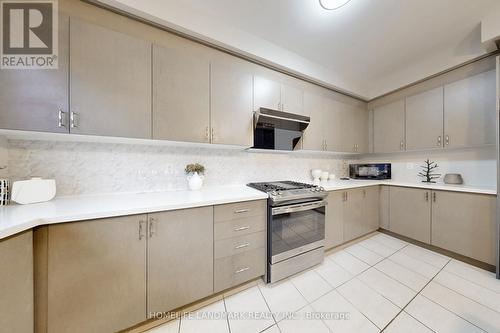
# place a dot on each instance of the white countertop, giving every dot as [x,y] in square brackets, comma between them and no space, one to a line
[18,218]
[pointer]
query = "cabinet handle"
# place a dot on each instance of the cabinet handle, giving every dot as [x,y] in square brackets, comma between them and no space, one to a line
[326,145]
[61,118]
[364,193]
[213,134]
[447,139]
[434,196]
[207,134]
[426,196]
[241,211]
[242,228]
[152,228]
[141,230]
[242,270]
[439,141]
[401,145]
[73,118]
[279,106]
[241,246]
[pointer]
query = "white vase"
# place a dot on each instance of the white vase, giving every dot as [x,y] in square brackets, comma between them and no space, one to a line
[195,181]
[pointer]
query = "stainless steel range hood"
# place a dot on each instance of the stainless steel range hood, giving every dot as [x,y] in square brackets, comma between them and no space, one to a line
[278,130]
[282,120]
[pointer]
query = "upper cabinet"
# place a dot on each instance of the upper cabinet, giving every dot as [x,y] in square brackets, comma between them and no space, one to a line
[110,75]
[388,127]
[231,102]
[314,138]
[273,94]
[354,130]
[424,120]
[37,100]
[181,95]
[470,111]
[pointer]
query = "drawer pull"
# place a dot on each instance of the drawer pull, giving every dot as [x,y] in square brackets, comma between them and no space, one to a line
[241,211]
[242,270]
[242,246]
[242,228]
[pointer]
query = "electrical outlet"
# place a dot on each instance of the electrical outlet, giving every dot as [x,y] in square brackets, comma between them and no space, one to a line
[410,166]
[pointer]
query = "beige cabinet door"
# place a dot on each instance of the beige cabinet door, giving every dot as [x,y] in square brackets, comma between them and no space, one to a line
[470,111]
[181,95]
[388,127]
[465,223]
[334,219]
[96,275]
[110,75]
[410,213]
[180,257]
[371,217]
[424,120]
[313,138]
[354,213]
[354,129]
[16,283]
[333,124]
[384,207]
[292,99]
[266,93]
[34,99]
[231,103]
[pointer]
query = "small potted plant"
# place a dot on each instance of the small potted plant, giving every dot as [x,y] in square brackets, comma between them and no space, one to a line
[195,175]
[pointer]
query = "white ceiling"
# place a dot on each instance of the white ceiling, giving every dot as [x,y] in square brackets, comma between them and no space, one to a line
[367,47]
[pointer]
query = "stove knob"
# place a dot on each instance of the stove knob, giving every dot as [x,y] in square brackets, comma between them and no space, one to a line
[273,193]
[321,189]
[280,193]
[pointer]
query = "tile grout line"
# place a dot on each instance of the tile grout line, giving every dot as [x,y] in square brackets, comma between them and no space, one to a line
[227,313]
[455,274]
[268,307]
[411,300]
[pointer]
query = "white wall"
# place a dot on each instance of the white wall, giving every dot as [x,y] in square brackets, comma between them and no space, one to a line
[90,168]
[477,166]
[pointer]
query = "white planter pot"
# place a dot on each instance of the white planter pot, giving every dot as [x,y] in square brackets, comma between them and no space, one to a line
[195,181]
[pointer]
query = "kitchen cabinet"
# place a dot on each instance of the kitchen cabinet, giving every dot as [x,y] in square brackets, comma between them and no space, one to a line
[470,111]
[181,95]
[384,207]
[267,93]
[333,117]
[334,219]
[354,129]
[410,213]
[424,120]
[388,127]
[465,223]
[37,100]
[231,103]
[273,94]
[110,75]
[16,283]
[180,257]
[96,275]
[314,137]
[360,212]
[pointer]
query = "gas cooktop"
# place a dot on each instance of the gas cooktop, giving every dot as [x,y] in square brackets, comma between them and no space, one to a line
[288,190]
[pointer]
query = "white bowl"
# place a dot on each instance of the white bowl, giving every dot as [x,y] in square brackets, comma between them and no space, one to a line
[316,173]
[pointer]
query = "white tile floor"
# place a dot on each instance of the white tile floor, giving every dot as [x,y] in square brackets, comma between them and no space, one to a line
[379,284]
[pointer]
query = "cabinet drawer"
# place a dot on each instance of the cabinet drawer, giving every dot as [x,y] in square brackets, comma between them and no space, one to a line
[239,227]
[236,245]
[234,270]
[239,210]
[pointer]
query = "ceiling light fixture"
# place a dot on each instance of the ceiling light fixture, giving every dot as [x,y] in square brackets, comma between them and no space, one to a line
[333,4]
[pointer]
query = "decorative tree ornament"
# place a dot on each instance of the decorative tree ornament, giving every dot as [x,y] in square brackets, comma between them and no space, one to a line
[428,172]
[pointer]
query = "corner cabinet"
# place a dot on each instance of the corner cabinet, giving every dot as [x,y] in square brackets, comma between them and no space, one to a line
[16,283]
[110,76]
[389,127]
[180,257]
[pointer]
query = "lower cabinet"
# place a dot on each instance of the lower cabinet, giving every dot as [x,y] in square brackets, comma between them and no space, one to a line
[16,283]
[180,257]
[410,213]
[240,243]
[465,223]
[351,214]
[96,275]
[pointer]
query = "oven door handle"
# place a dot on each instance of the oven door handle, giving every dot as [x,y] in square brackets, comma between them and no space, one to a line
[298,207]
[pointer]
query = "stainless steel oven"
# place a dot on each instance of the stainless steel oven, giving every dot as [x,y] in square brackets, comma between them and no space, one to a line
[296,234]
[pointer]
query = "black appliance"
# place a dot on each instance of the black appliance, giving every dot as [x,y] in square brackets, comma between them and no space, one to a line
[370,171]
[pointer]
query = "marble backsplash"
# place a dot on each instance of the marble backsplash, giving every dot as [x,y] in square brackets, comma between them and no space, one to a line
[94,168]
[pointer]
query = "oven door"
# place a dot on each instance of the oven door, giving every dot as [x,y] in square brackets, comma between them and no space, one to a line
[295,229]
